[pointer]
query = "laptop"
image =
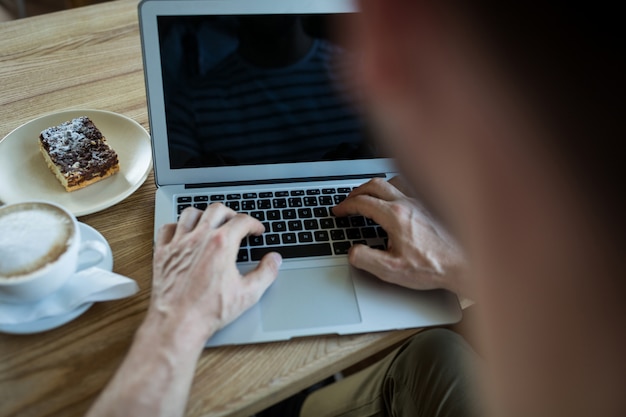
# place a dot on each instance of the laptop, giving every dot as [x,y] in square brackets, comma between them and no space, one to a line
[250,106]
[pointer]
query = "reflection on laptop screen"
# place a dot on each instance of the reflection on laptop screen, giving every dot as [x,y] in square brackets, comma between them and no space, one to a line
[257,89]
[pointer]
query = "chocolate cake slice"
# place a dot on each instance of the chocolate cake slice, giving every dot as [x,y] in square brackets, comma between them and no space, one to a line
[77,153]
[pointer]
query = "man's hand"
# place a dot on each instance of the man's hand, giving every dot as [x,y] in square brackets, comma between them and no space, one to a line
[196,290]
[420,255]
[195,278]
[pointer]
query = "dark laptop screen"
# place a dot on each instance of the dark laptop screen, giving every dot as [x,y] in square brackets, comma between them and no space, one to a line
[258,89]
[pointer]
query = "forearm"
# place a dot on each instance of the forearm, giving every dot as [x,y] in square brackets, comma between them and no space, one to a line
[156,375]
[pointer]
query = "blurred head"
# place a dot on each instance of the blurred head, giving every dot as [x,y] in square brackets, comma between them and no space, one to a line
[505,117]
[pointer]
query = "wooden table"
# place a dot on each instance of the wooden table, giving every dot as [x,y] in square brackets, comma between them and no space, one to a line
[90,57]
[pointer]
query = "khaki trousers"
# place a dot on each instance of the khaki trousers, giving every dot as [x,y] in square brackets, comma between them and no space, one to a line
[430,375]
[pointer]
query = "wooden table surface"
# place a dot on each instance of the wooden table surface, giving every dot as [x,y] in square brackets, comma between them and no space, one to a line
[90,57]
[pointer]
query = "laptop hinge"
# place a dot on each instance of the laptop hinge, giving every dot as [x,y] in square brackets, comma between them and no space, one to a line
[286,180]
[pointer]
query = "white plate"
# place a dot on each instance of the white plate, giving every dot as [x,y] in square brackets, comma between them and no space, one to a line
[86,233]
[25,175]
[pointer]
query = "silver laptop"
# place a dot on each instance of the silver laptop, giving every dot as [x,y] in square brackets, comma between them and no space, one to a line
[249,106]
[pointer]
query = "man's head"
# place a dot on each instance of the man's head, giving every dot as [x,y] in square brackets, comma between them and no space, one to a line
[504,116]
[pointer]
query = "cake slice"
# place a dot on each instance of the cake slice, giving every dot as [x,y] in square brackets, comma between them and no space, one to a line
[77,153]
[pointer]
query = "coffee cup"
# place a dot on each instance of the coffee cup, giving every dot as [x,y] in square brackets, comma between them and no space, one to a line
[40,245]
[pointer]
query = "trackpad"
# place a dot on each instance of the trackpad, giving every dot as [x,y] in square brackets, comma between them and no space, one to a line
[304,298]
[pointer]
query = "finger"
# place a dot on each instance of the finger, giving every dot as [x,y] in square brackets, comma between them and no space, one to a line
[259,279]
[242,225]
[379,188]
[401,185]
[165,234]
[376,262]
[187,222]
[217,214]
[389,268]
[368,206]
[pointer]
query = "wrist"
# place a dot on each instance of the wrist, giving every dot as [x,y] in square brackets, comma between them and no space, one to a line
[184,333]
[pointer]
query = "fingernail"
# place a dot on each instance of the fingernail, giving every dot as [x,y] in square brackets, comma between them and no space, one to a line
[277,258]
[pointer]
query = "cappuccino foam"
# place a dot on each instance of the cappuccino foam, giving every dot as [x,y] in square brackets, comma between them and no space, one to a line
[32,235]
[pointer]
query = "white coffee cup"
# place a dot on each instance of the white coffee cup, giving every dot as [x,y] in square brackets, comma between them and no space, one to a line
[40,245]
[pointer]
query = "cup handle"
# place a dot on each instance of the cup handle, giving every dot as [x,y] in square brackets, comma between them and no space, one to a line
[98,248]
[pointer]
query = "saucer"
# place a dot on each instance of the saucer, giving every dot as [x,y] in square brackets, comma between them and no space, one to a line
[87,233]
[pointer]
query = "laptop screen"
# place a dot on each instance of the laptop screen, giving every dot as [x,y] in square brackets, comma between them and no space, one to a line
[259,89]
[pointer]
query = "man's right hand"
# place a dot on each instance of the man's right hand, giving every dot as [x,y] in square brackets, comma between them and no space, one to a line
[419,255]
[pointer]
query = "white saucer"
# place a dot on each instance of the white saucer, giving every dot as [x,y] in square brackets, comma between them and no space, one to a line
[27,177]
[87,233]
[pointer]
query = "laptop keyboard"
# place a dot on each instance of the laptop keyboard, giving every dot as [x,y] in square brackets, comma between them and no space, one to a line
[298,223]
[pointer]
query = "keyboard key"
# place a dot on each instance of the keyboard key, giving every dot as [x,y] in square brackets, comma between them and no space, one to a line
[278,203]
[289,214]
[183,200]
[281,194]
[353,234]
[305,213]
[275,215]
[200,206]
[294,225]
[234,205]
[320,212]
[255,240]
[305,237]
[341,248]
[371,222]
[259,215]
[243,255]
[264,204]
[342,222]
[182,207]
[328,191]
[201,198]
[327,223]
[337,234]
[369,232]
[273,239]
[294,251]
[218,197]
[321,236]
[278,227]
[233,197]
[326,200]
[357,221]
[344,190]
[310,201]
[267,194]
[338,198]
[266,225]
[381,232]
[311,224]
[248,205]
[289,238]
[249,195]
[295,202]
[314,191]
[297,192]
